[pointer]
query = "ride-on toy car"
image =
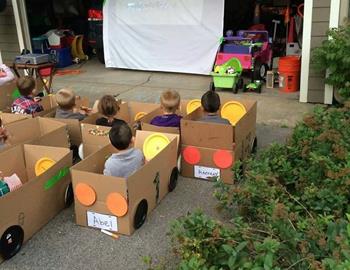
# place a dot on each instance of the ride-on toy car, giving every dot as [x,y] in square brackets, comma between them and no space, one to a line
[251,48]
[227,75]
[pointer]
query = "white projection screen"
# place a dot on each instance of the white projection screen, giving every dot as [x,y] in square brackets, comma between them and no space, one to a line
[162,35]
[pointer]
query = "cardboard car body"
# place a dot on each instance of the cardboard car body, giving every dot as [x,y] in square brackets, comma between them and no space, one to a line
[128,112]
[146,121]
[73,125]
[38,131]
[209,150]
[25,210]
[141,192]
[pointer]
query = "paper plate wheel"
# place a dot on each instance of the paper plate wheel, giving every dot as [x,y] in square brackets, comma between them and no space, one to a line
[233,111]
[192,105]
[154,144]
[139,115]
[43,164]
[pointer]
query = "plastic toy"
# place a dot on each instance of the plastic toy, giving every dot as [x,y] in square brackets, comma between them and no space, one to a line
[254,86]
[227,75]
[251,48]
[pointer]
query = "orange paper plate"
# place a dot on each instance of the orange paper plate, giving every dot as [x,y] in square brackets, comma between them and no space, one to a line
[233,111]
[85,194]
[117,204]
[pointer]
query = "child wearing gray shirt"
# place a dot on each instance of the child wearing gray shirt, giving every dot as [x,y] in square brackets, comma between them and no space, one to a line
[211,104]
[129,159]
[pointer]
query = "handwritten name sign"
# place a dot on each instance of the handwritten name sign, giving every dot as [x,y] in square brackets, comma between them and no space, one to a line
[206,172]
[100,221]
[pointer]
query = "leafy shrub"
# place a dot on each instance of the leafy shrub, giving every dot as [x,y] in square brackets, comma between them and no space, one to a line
[289,211]
[334,55]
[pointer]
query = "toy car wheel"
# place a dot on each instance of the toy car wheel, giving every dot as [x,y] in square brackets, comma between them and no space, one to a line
[260,70]
[240,83]
[173,179]
[235,89]
[212,86]
[11,241]
[245,88]
[69,195]
[141,214]
[255,145]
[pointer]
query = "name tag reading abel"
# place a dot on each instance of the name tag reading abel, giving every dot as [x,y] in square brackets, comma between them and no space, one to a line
[206,172]
[100,221]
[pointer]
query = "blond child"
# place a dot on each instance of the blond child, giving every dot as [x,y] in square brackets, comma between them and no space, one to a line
[66,100]
[169,103]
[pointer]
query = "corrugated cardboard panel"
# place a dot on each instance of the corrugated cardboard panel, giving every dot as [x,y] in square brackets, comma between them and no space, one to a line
[89,138]
[33,205]
[8,118]
[6,96]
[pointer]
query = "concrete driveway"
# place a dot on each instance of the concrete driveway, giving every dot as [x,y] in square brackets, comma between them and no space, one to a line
[63,245]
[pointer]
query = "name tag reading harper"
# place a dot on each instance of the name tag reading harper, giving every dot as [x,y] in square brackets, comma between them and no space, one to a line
[206,173]
[100,221]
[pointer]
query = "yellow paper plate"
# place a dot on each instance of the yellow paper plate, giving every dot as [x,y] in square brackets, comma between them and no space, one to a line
[192,105]
[233,111]
[154,144]
[43,164]
[139,115]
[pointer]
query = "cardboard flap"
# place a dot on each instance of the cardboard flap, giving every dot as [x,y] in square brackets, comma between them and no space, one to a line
[22,131]
[6,92]
[124,113]
[33,153]
[140,107]
[141,136]
[49,125]
[8,118]
[88,137]
[202,134]
[95,162]
[12,161]
[91,119]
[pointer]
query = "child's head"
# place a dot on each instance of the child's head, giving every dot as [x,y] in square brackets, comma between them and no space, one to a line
[65,99]
[108,106]
[120,136]
[26,85]
[170,101]
[211,102]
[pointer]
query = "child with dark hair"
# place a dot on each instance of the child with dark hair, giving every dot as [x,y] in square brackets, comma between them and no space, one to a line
[128,159]
[108,107]
[211,104]
[26,103]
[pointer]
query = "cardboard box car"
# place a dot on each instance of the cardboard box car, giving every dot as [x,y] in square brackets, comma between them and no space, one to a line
[131,112]
[209,150]
[73,125]
[146,121]
[8,118]
[38,131]
[117,204]
[23,211]
[9,92]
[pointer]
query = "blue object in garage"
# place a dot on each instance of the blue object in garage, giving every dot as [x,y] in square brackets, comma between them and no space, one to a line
[62,57]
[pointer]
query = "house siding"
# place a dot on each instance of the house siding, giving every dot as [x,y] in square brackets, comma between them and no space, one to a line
[9,45]
[320,25]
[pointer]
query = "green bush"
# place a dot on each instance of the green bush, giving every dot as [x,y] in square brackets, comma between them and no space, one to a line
[334,55]
[289,211]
